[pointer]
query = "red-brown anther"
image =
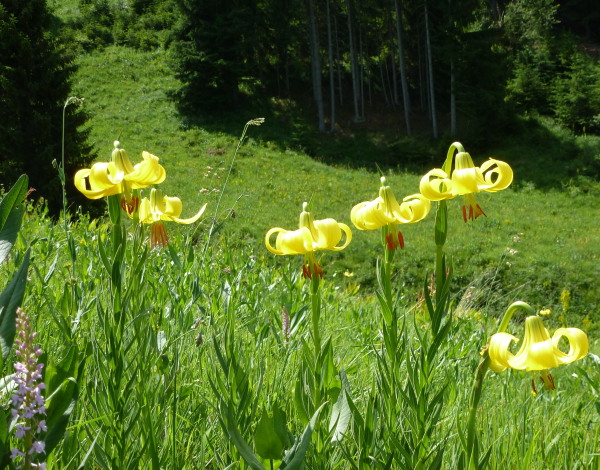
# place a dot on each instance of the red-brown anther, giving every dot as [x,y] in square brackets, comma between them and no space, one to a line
[391,243]
[306,274]
[158,235]
[401,240]
[548,382]
[474,212]
[533,387]
[130,206]
[318,270]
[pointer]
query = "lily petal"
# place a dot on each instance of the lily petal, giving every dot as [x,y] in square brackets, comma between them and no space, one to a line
[578,344]
[436,185]
[147,172]
[498,351]
[467,181]
[192,219]
[330,233]
[295,242]
[102,179]
[413,209]
[497,178]
[370,215]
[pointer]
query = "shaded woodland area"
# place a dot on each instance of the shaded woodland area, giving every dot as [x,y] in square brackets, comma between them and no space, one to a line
[426,68]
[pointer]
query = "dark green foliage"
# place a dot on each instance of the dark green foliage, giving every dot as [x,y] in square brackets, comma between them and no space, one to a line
[143,24]
[214,51]
[34,84]
[576,96]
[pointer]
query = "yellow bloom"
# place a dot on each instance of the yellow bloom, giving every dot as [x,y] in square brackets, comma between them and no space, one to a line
[312,235]
[385,210]
[466,180]
[157,208]
[538,352]
[119,176]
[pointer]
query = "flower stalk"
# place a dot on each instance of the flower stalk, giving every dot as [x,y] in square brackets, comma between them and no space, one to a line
[28,403]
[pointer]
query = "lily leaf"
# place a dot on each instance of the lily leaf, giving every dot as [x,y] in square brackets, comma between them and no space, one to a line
[267,442]
[11,215]
[294,458]
[239,442]
[10,298]
[340,413]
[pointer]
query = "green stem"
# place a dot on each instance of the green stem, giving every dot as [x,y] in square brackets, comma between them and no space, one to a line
[510,311]
[252,122]
[315,300]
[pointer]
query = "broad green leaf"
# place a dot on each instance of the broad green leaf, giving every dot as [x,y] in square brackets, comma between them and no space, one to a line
[239,442]
[12,199]
[280,424]
[267,443]
[294,458]
[8,233]
[11,215]
[340,412]
[11,298]
[64,400]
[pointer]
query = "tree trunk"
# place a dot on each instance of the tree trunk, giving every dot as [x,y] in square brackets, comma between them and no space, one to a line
[338,61]
[430,74]
[394,83]
[331,70]
[354,64]
[403,81]
[452,100]
[315,63]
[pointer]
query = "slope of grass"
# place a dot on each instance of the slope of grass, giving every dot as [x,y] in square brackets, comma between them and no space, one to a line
[534,243]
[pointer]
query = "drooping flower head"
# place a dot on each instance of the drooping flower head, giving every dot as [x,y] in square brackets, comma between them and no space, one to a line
[465,180]
[158,208]
[538,351]
[312,235]
[120,176]
[386,211]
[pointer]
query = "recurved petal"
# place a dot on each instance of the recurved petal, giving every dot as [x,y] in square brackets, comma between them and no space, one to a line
[191,220]
[296,242]
[147,172]
[370,215]
[413,208]
[498,175]
[538,356]
[328,234]
[145,213]
[467,181]
[335,235]
[578,344]
[98,181]
[436,186]
[498,351]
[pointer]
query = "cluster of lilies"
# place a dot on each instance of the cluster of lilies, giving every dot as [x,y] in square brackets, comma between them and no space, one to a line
[120,177]
[538,351]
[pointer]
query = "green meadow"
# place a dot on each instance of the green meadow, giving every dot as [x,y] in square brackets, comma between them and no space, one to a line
[180,358]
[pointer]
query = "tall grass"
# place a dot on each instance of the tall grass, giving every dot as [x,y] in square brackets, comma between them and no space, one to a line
[177,360]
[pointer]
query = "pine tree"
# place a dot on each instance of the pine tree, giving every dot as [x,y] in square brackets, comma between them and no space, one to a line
[34,85]
[214,51]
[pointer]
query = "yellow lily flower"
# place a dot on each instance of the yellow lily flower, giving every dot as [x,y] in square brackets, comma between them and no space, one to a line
[119,176]
[312,235]
[466,180]
[538,352]
[157,208]
[385,210]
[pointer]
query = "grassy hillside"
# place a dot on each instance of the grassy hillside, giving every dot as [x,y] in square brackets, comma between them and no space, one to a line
[215,354]
[540,238]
